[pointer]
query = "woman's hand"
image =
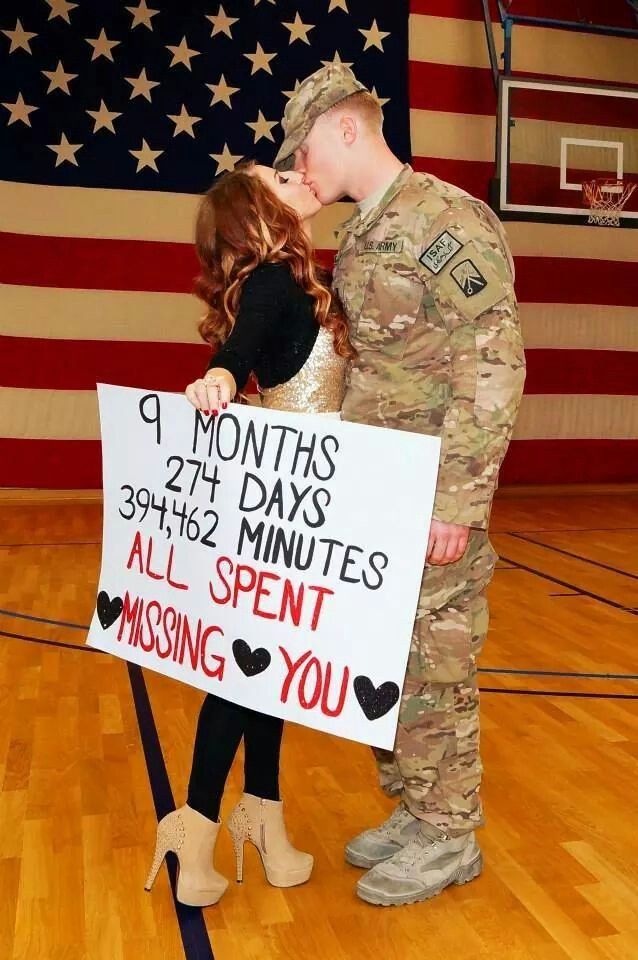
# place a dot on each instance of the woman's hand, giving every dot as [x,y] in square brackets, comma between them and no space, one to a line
[213,392]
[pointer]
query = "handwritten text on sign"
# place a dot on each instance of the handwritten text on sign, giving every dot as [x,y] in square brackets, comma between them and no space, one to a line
[271,558]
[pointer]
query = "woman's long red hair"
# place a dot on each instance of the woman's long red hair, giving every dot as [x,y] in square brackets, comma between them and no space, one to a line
[242,223]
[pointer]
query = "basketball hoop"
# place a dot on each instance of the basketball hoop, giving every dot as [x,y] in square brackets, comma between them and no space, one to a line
[606,199]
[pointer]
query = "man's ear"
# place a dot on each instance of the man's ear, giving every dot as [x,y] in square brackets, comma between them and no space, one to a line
[349,130]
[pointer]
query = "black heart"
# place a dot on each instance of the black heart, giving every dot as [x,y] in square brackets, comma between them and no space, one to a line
[108,611]
[250,662]
[375,701]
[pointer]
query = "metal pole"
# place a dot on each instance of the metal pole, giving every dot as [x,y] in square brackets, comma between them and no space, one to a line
[508,25]
[491,46]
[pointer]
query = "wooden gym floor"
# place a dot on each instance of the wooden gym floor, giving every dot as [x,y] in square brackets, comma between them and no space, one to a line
[90,749]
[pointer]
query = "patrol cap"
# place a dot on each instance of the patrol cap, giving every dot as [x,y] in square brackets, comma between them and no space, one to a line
[316,94]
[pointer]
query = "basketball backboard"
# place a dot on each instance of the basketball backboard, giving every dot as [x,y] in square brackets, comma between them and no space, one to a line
[552,136]
[611,16]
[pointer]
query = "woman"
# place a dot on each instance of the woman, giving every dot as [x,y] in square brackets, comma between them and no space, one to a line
[270,313]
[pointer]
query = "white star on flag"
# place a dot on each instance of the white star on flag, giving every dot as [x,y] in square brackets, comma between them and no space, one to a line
[103,118]
[61,8]
[19,38]
[260,60]
[102,46]
[65,151]
[262,127]
[299,30]
[146,157]
[142,15]
[225,160]
[59,80]
[142,86]
[335,60]
[291,93]
[221,92]
[381,100]
[182,54]
[184,123]
[374,37]
[19,111]
[222,23]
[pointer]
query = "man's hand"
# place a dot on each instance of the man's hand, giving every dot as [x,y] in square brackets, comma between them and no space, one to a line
[447,542]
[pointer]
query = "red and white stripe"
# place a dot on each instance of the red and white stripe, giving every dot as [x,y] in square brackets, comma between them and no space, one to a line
[95,283]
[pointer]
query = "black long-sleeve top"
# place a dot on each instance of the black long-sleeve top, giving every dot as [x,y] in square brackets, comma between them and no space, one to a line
[274,332]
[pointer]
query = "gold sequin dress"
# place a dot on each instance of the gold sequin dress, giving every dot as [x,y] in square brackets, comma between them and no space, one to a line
[317,388]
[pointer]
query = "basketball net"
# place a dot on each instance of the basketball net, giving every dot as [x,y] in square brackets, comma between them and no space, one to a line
[606,199]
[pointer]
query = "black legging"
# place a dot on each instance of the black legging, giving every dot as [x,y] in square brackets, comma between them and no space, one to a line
[220,727]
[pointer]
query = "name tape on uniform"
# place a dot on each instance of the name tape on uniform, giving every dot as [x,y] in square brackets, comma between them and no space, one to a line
[383,246]
[440,252]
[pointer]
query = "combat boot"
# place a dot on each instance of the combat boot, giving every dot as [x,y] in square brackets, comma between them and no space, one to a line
[423,868]
[380,843]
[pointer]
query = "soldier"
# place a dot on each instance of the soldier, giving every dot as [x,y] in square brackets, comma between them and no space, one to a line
[426,278]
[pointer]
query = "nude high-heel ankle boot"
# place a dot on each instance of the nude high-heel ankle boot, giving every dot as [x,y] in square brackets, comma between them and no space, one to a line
[192,837]
[262,823]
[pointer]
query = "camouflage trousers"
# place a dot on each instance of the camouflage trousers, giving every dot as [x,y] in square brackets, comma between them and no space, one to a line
[436,763]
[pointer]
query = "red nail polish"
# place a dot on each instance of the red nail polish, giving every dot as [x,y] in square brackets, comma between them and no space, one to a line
[224,405]
[206,412]
[214,413]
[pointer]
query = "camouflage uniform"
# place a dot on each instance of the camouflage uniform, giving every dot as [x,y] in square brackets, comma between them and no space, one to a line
[426,279]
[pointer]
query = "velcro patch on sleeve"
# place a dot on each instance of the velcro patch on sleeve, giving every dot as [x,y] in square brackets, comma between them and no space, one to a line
[469,278]
[440,252]
[473,285]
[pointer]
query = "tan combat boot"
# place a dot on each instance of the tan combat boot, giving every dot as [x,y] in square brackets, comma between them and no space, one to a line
[380,843]
[425,866]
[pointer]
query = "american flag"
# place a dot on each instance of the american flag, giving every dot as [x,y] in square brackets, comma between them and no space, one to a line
[135,98]
[114,118]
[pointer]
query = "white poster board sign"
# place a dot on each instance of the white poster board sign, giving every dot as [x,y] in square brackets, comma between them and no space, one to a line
[271,558]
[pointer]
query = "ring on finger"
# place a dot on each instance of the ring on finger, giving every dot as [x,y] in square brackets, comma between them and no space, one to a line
[217,401]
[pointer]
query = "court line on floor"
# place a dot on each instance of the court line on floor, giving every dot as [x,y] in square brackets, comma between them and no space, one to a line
[514,671]
[513,533]
[488,670]
[70,543]
[83,543]
[55,623]
[189,924]
[571,586]
[491,670]
[192,927]
[559,673]
[575,556]
[49,643]
[570,530]
[563,693]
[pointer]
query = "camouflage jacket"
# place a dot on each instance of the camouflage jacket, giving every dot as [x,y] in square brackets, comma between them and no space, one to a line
[426,279]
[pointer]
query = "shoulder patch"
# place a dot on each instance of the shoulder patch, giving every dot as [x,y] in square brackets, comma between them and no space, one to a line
[440,252]
[469,278]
